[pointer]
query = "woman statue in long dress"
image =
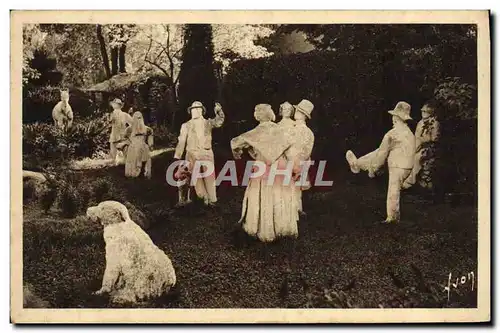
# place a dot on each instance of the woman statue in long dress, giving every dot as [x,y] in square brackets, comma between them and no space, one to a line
[139,142]
[266,213]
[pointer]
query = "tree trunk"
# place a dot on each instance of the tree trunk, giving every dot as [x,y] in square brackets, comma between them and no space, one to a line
[104,53]
[121,57]
[174,106]
[114,61]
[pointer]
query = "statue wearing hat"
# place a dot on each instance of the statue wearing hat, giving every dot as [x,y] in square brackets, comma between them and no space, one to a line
[398,149]
[426,138]
[303,145]
[119,122]
[195,139]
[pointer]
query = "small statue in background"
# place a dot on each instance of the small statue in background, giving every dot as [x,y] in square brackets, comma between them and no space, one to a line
[426,138]
[62,114]
[119,122]
[138,144]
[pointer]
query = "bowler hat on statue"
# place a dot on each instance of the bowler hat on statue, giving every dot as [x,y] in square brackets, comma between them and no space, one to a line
[305,107]
[117,101]
[197,105]
[402,110]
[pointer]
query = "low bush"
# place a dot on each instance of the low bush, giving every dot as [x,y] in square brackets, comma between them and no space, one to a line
[48,197]
[101,189]
[90,137]
[29,191]
[163,136]
[69,201]
[45,146]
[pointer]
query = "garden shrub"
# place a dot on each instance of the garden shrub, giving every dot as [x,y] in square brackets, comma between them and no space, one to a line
[101,189]
[145,92]
[455,170]
[29,191]
[89,136]
[69,201]
[46,146]
[85,192]
[48,198]
[38,103]
[163,136]
[43,145]
[457,98]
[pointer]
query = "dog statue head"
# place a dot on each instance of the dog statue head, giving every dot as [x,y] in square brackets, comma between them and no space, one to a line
[108,212]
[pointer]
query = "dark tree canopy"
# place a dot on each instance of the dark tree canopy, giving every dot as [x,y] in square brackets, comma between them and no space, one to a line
[49,75]
[197,81]
[384,37]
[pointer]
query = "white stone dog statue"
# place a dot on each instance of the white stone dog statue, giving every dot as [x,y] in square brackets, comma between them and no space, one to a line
[136,269]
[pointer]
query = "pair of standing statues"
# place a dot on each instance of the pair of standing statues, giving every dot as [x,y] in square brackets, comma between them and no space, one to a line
[133,138]
[410,157]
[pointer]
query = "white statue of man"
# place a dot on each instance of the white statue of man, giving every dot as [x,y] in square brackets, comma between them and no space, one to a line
[398,148]
[195,139]
[303,139]
[120,120]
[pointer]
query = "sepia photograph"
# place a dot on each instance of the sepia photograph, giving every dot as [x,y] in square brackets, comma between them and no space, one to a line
[250,167]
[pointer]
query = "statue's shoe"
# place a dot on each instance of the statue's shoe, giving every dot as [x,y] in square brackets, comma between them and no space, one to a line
[352,160]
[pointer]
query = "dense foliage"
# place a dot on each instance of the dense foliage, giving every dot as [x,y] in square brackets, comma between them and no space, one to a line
[45,146]
[197,81]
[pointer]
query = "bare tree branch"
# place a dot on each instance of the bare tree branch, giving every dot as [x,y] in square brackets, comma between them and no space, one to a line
[149,48]
[165,50]
[157,66]
[168,39]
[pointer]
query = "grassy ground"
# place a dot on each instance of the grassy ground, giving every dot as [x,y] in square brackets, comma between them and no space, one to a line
[342,258]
